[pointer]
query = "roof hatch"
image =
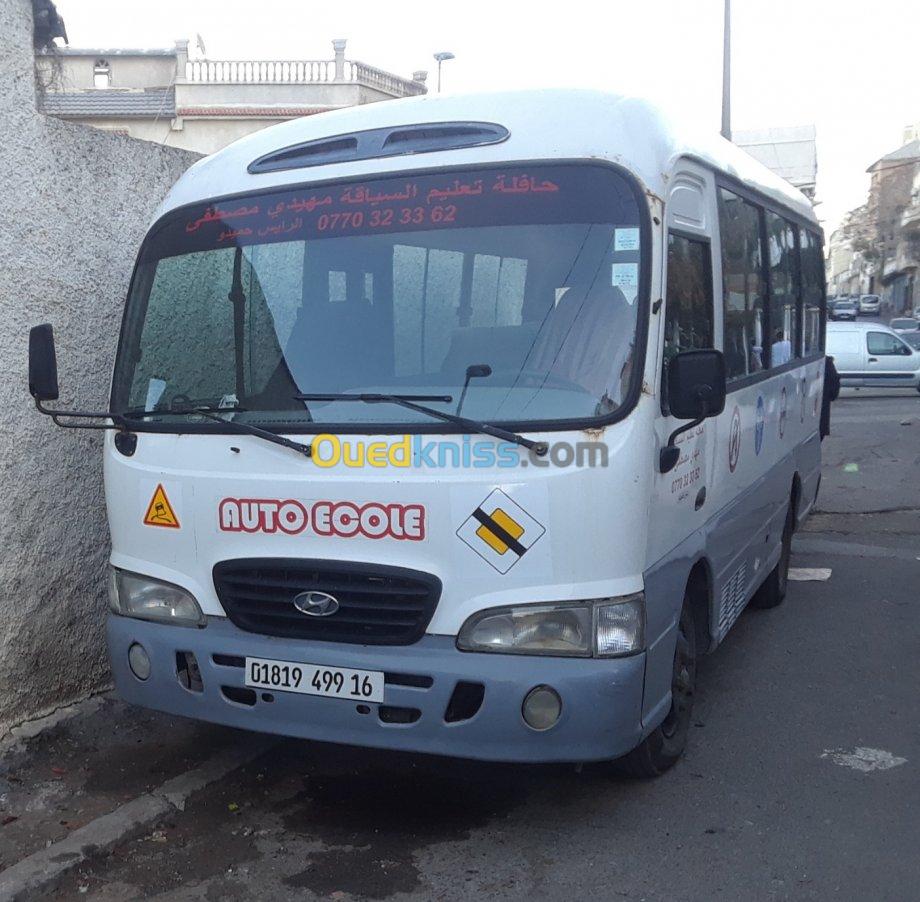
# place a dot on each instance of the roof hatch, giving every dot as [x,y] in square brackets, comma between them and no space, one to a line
[381,142]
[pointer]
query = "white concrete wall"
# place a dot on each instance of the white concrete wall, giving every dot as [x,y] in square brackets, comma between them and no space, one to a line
[76,202]
[71,73]
[201,136]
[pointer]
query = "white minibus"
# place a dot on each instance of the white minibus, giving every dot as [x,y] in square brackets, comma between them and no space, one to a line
[458,424]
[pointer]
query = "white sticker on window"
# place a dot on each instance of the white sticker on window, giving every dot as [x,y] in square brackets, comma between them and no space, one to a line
[155,389]
[626,239]
[625,276]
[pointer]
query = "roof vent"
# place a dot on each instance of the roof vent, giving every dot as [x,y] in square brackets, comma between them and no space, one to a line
[381,142]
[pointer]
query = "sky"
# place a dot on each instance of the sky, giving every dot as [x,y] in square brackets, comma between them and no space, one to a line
[850,68]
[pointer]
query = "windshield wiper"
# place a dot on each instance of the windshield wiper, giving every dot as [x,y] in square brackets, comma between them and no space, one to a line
[242,428]
[408,401]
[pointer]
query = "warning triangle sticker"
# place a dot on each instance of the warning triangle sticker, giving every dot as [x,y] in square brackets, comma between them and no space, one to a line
[160,512]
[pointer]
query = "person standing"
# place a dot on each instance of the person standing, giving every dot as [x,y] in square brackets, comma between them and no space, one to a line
[830,394]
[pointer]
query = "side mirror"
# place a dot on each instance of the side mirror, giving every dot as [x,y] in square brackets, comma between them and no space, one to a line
[43,377]
[696,390]
[696,384]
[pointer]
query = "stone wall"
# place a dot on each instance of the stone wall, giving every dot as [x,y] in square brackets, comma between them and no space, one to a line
[74,204]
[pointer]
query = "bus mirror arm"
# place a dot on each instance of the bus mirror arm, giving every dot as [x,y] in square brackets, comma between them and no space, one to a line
[670,453]
[118,421]
[43,385]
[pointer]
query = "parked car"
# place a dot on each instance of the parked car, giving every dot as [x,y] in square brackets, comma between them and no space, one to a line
[869,305]
[912,338]
[870,354]
[904,324]
[844,309]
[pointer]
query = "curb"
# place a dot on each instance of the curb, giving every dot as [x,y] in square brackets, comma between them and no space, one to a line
[45,867]
[14,737]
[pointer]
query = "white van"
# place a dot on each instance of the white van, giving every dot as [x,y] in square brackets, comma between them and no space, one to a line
[458,424]
[870,354]
[869,305]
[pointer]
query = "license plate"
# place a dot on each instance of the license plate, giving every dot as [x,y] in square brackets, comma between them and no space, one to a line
[315,679]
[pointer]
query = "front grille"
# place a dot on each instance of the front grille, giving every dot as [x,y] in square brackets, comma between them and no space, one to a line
[378,605]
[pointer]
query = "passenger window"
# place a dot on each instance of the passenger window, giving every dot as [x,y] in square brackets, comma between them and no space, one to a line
[497,291]
[812,292]
[428,282]
[883,344]
[742,285]
[338,287]
[784,290]
[688,305]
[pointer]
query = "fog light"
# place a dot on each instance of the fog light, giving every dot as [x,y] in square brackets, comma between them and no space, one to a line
[542,707]
[139,661]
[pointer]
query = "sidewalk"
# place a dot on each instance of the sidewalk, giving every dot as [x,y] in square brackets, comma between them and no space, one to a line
[105,773]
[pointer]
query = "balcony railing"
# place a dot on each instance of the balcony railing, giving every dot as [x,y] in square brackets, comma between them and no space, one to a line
[910,220]
[297,72]
[907,257]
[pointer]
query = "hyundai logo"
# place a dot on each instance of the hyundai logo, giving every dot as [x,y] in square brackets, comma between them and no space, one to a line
[316,604]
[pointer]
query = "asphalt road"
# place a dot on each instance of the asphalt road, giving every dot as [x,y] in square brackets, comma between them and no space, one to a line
[801,780]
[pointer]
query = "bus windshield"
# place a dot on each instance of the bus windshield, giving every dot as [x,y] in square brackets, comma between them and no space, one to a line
[392,286]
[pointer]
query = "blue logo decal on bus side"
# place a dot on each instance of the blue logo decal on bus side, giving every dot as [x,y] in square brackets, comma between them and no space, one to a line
[758,428]
[734,440]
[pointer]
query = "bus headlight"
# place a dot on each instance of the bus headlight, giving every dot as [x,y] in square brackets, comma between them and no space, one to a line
[133,595]
[604,627]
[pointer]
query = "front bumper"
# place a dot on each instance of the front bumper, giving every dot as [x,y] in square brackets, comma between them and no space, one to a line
[601,698]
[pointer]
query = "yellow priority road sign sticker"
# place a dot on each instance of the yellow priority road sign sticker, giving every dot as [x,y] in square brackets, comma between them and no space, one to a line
[159,511]
[500,531]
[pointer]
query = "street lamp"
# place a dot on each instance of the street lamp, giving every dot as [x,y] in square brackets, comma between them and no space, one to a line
[442,57]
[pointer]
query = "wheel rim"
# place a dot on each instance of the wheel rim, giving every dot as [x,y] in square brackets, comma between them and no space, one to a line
[682,680]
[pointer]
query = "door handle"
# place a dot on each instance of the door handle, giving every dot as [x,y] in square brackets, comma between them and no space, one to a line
[873,360]
[700,498]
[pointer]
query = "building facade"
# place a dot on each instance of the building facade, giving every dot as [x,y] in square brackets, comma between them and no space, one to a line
[202,105]
[852,258]
[876,249]
[894,211]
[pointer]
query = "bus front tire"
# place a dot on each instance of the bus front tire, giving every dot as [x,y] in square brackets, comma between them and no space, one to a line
[662,748]
[773,590]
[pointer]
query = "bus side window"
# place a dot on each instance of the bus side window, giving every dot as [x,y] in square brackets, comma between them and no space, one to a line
[812,291]
[688,307]
[784,290]
[742,285]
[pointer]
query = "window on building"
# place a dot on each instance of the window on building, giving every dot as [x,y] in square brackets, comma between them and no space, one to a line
[884,344]
[688,305]
[742,285]
[812,291]
[784,290]
[102,74]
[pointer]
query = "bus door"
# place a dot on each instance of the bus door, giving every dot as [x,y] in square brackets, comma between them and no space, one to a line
[689,324]
[683,496]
